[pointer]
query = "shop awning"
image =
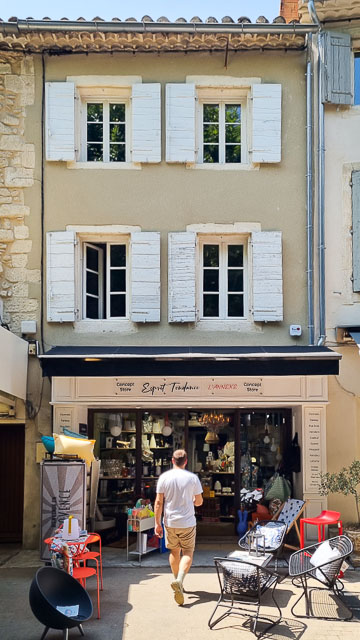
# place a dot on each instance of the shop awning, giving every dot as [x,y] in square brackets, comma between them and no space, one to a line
[163,361]
[356,336]
[13,364]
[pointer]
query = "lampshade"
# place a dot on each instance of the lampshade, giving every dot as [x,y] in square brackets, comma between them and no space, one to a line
[212,437]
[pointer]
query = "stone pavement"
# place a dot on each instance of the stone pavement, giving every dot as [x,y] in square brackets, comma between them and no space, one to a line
[138,603]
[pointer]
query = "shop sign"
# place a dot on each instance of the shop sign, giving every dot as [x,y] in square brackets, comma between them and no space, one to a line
[313,449]
[182,387]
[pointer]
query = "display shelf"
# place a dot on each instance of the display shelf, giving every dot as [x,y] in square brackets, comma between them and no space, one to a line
[116,478]
[221,473]
[142,524]
[118,449]
[224,495]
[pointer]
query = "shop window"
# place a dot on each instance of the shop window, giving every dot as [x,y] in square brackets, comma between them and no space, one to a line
[222,279]
[105,281]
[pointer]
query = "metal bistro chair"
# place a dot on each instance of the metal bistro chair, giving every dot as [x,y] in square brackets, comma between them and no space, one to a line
[327,574]
[274,533]
[243,583]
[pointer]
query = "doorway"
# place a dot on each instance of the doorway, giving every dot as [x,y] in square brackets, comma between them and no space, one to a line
[12,451]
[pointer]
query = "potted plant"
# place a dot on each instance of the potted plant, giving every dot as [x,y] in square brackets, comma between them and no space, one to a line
[347,482]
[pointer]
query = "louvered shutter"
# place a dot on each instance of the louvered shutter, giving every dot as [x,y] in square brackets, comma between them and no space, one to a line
[60,272]
[180,122]
[267,276]
[182,277]
[60,121]
[145,276]
[356,229]
[266,123]
[146,123]
[336,68]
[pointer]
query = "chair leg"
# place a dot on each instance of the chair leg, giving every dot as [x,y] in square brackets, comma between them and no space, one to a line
[81,629]
[212,624]
[66,634]
[45,632]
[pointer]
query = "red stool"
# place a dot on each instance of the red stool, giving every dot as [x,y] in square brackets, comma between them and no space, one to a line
[325,518]
[94,538]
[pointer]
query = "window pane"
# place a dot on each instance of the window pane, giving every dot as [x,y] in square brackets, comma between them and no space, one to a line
[232,153]
[211,153]
[117,133]
[92,283]
[211,255]
[95,112]
[235,305]
[92,308]
[357,78]
[117,280]
[117,112]
[117,306]
[117,153]
[235,280]
[95,132]
[211,113]
[94,152]
[211,133]
[211,280]
[232,113]
[92,259]
[233,133]
[211,306]
[235,255]
[118,255]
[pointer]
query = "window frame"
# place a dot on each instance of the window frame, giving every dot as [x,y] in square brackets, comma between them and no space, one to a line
[223,241]
[356,84]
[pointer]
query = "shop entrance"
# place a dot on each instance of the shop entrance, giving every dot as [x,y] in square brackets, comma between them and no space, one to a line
[230,450]
[12,451]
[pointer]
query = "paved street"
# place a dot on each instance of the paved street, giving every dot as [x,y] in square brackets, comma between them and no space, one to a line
[138,602]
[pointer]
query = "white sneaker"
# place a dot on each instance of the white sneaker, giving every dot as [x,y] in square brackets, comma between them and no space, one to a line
[178,592]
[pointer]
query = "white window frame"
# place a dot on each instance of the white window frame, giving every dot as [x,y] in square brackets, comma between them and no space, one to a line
[106,142]
[108,242]
[222,96]
[223,241]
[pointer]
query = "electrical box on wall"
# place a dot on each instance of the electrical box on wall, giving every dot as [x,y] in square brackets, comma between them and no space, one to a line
[295,330]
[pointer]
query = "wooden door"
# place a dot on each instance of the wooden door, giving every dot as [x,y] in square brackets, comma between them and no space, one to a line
[12,451]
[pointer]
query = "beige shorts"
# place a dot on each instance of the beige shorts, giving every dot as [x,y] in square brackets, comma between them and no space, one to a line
[176,538]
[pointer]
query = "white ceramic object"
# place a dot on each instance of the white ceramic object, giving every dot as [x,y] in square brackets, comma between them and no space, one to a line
[167,430]
[115,430]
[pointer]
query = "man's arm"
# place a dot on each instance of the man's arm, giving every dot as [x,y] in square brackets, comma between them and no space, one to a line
[198,500]
[159,504]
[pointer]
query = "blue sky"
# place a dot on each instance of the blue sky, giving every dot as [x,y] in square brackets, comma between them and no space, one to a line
[108,9]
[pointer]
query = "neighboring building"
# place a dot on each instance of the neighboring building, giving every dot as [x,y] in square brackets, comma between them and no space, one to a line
[169,213]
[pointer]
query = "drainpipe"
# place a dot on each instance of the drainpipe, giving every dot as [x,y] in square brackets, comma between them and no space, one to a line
[309,190]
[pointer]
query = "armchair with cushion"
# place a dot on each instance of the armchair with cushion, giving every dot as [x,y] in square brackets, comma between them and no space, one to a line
[274,534]
[243,583]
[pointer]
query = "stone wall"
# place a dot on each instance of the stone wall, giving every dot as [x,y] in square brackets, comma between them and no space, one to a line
[17,163]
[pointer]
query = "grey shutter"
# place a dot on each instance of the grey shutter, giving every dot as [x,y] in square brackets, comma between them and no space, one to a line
[266,123]
[60,121]
[60,273]
[182,277]
[267,276]
[180,122]
[356,229]
[145,276]
[146,123]
[337,68]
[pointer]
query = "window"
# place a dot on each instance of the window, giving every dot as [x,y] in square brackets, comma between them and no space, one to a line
[357,78]
[221,133]
[105,137]
[105,281]
[222,279]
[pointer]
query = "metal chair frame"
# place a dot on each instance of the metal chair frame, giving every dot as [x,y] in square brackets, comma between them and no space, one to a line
[301,569]
[275,551]
[238,592]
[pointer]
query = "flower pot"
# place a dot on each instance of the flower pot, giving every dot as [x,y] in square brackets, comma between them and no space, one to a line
[354,535]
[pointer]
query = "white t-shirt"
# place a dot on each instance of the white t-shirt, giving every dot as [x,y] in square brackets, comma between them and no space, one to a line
[179,487]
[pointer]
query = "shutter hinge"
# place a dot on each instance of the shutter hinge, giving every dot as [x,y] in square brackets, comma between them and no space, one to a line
[77,314]
[76,242]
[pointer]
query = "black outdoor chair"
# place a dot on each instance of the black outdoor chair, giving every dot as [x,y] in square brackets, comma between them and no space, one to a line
[53,587]
[274,532]
[326,574]
[243,583]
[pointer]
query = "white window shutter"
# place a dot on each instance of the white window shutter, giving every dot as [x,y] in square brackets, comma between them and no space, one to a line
[336,68]
[60,272]
[145,276]
[182,277]
[180,122]
[60,121]
[146,122]
[266,123]
[267,276]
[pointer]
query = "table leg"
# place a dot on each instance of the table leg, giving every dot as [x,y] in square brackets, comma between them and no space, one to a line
[301,533]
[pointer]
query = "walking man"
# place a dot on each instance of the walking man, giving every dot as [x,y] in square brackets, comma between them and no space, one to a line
[177,492]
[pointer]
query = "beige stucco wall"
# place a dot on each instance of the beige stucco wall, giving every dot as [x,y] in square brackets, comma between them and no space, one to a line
[168,197]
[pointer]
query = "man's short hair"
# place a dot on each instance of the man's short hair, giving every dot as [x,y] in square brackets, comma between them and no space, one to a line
[179,457]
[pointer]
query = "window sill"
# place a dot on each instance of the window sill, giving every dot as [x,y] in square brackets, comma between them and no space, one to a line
[109,166]
[223,167]
[105,326]
[243,326]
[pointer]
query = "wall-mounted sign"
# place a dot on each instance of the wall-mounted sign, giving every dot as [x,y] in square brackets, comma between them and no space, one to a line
[313,447]
[187,387]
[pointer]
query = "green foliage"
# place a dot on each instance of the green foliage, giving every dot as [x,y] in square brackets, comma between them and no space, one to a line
[346,481]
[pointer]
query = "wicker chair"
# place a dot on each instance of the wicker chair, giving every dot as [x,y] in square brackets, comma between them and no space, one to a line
[326,574]
[274,546]
[243,583]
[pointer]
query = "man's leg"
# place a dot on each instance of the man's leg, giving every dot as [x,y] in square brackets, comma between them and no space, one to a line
[185,564]
[174,560]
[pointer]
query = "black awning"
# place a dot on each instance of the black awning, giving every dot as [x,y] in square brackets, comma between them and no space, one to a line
[195,361]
